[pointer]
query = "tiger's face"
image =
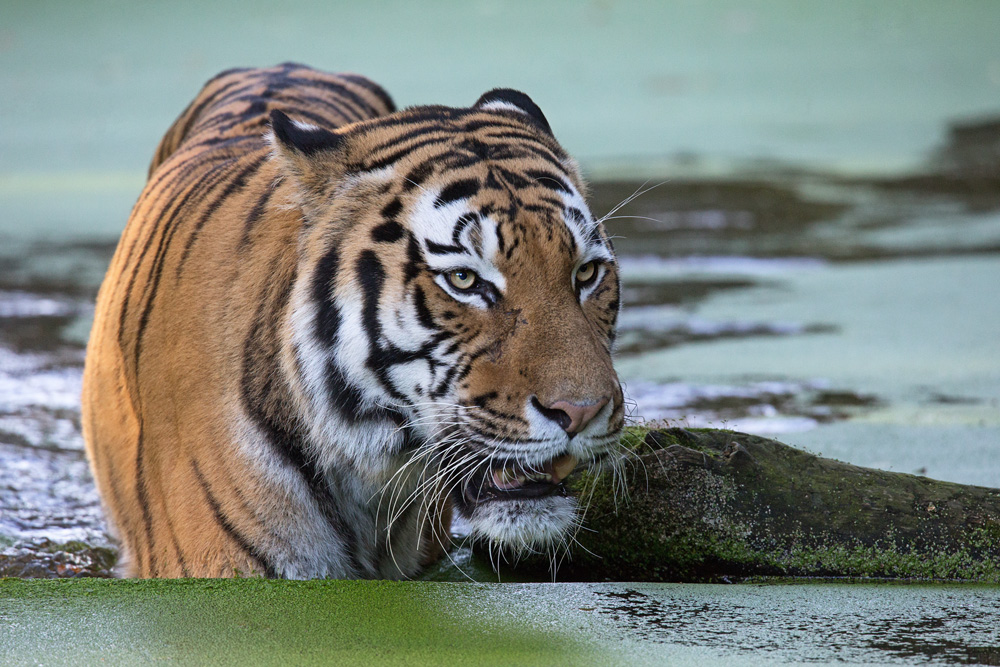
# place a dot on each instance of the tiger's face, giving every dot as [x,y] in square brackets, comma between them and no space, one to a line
[455,311]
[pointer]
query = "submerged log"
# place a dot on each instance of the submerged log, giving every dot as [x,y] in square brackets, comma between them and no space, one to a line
[714,505]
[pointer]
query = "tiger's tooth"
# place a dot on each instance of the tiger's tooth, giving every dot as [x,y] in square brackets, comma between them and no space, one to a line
[504,478]
[563,466]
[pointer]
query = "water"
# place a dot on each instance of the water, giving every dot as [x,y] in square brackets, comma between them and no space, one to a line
[334,622]
[768,286]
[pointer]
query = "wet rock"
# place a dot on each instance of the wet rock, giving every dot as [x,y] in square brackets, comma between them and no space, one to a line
[716,505]
[45,559]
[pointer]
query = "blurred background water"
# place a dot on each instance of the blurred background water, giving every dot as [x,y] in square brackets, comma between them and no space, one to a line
[817,256]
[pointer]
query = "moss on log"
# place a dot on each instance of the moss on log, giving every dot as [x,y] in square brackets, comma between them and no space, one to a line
[713,505]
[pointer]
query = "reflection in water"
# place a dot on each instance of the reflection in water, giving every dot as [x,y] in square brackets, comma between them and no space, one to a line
[814,624]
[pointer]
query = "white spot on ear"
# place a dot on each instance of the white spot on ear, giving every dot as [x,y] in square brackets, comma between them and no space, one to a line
[501,105]
[302,125]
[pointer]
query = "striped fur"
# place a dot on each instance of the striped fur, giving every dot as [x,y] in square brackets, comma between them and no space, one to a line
[283,378]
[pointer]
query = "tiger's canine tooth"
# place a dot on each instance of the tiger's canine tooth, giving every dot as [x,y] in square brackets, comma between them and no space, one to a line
[563,466]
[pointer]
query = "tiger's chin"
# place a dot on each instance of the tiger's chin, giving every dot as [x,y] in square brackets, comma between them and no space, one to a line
[524,526]
[518,508]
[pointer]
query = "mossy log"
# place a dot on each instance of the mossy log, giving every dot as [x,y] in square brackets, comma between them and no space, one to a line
[714,505]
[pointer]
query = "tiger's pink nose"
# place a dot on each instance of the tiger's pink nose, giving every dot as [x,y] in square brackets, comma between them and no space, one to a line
[571,417]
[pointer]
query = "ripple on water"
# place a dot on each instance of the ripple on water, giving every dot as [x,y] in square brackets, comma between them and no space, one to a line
[866,624]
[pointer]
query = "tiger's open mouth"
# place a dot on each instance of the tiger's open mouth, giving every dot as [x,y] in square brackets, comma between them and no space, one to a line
[514,481]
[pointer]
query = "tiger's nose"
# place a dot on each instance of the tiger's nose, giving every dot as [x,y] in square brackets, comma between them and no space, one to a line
[571,417]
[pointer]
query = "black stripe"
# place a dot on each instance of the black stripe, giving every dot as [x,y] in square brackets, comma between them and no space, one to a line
[238,182]
[457,161]
[392,209]
[149,291]
[442,387]
[576,215]
[371,277]
[552,202]
[327,311]
[231,530]
[503,415]
[461,189]
[493,122]
[423,312]
[430,114]
[176,544]
[154,191]
[516,180]
[414,260]
[195,109]
[143,498]
[593,235]
[341,91]
[549,180]
[414,131]
[391,158]
[201,189]
[344,396]
[303,104]
[418,175]
[464,221]
[439,249]
[528,144]
[387,232]
[255,213]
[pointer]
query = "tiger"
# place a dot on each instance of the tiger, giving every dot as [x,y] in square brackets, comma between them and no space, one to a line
[331,327]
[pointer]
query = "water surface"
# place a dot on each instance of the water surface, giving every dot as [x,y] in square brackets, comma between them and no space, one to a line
[334,622]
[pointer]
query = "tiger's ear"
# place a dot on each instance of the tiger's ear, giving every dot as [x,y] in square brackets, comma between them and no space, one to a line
[311,155]
[513,100]
[302,138]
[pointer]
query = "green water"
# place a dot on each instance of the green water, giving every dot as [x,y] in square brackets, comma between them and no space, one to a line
[650,88]
[383,623]
[773,283]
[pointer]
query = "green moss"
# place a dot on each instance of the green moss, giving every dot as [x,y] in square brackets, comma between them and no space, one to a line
[708,517]
[254,621]
[634,437]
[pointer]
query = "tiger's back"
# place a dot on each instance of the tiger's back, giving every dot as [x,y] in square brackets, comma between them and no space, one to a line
[229,423]
[210,216]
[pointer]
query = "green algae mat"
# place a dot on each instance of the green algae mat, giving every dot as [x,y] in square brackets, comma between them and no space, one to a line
[262,622]
[259,621]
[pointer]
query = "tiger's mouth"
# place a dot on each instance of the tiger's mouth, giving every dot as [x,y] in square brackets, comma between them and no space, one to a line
[515,481]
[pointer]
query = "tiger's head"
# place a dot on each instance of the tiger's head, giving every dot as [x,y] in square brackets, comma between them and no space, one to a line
[454,311]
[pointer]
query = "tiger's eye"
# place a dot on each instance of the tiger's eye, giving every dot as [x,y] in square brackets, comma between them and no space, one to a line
[586,273]
[462,279]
